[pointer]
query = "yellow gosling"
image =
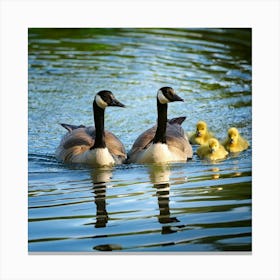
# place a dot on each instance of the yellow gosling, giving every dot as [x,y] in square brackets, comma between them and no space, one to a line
[202,135]
[235,142]
[213,150]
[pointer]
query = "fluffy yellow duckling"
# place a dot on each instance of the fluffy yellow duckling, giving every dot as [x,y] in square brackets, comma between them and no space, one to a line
[235,142]
[213,150]
[202,135]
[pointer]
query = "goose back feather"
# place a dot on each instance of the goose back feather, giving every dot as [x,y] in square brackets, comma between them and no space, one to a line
[80,139]
[175,140]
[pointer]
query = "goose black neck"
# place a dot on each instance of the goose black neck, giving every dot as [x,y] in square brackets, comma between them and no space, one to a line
[160,136]
[99,127]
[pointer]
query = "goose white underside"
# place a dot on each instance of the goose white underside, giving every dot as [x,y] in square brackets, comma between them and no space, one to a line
[159,153]
[97,157]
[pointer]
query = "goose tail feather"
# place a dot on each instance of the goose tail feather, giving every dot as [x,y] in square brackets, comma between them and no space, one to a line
[178,120]
[71,127]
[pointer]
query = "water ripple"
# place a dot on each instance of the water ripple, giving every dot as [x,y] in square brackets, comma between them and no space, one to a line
[193,206]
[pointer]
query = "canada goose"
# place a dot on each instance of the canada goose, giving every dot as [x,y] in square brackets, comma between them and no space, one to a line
[166,141]
[93,145]
[235,142]
[213,150]
[202,135]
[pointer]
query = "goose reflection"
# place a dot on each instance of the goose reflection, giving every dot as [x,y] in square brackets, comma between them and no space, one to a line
[159,176]
[101,177]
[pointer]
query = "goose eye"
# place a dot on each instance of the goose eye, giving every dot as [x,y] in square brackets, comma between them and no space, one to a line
[170,94]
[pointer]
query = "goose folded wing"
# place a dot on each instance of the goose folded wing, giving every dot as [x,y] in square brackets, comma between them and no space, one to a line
[175,138]
[114,145]
[78,137]
[144,140]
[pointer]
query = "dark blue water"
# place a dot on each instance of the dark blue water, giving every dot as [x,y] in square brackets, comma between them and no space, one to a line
[188,207]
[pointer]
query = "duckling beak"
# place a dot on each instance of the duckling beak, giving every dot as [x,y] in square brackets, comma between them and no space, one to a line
[176,97]
[117,103]
[212,150]
[198,134]
[231,140]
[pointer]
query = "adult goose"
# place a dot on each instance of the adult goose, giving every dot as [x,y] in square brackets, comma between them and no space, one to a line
[166,141]
[93,145]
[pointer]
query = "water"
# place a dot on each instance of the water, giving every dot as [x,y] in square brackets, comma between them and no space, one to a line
[183,207]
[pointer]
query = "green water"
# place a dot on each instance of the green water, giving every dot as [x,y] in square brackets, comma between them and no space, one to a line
[187,207]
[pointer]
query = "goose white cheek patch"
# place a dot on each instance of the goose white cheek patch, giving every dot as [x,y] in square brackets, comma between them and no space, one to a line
[162,99]
[100,102]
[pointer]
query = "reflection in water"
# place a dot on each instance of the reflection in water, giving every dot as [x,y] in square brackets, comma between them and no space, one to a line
[100,176]
[236,168]
[235,171]
[107,247]
[216,174]
[77,209]
[159,173]
[159,176]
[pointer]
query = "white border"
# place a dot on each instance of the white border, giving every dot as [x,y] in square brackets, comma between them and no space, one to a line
[262,16]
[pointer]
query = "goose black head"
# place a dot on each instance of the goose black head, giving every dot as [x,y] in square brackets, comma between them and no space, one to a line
[167,94]
[106,98]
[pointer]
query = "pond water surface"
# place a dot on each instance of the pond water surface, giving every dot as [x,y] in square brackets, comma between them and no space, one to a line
[196,206]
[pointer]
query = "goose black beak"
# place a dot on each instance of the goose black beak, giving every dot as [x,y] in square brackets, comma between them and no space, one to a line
[176,97]
[116,103]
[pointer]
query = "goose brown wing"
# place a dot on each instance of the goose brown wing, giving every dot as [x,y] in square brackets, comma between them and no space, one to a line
[75,142]
[78,137]
[114,145]
[143,140]
[82,138]
[85,136]
[176,138]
